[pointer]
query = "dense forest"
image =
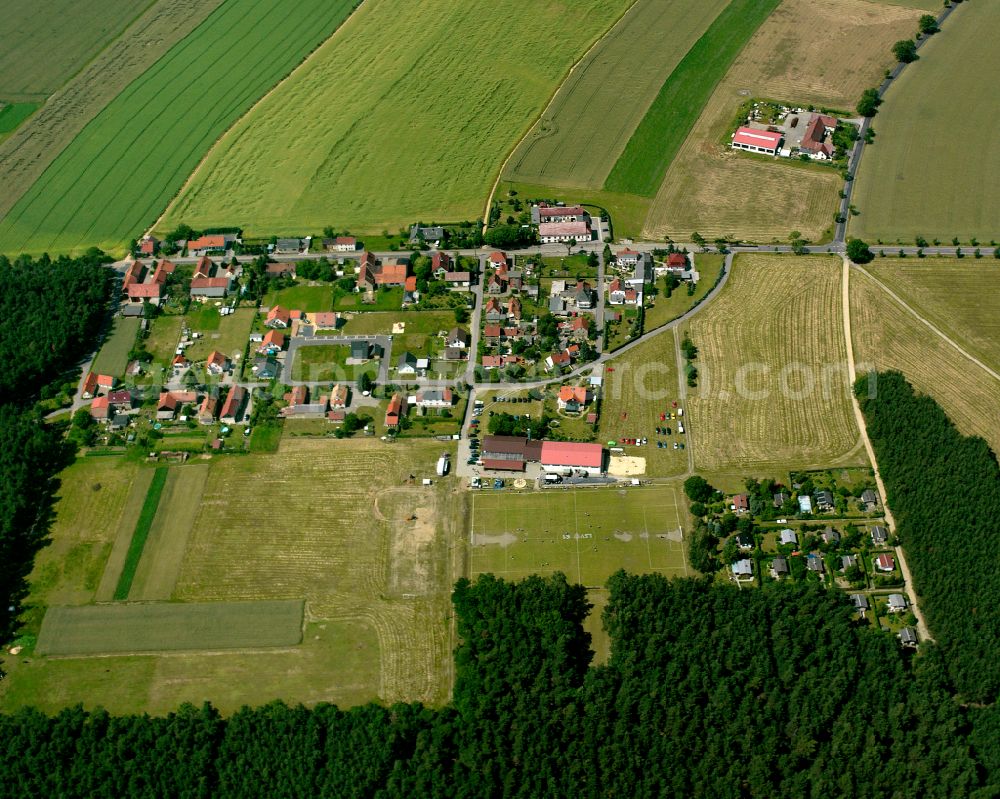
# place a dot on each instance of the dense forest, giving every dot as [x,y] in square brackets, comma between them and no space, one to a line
[710,691]
[50,315]
[944,491]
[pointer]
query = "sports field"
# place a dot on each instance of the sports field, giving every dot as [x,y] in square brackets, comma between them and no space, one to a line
[586,126]
[170,626]
[27,153]
[677,105]
[887,336]
[823,52]
[908,185]
[134,155]
[417,128]
[773,387]
[44,47]
[587,534]
[959,296]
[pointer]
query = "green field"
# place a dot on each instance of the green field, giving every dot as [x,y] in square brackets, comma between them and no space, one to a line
[586,126]
[227,334]
[302,297]
[12,115]
[325,363]
[385,300]
[43,48]
[170,626]
[134,155]
[113,356]
[142,525]
[415,129]
[908,184]
[587,534]
[666,309]
[670,117]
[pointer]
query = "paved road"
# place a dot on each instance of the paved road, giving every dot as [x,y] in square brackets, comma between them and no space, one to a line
[922,628]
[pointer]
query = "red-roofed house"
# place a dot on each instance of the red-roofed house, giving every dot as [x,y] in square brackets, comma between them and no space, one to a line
[492,361]
[273,342]
[232,408]
[573,455]
[514,308]
[814,142]
[558,359]
[497,259]
[148,245]
[410,285]
[440,264]
[299,395]
[345,244]
[885,562]
[100,408]
[393,412]
[120,400]
[217,363]
[106,382]
[757,141]
[180,362]
[493,310]
[278,317]
[211,243]
[89,386]
[616,292]
[558,213]
[491,334]
[206,413]
[741,503]
[325,320]
[372,275]
[573,398]
[677,260]
[627,257]
[141,284]
[339,397]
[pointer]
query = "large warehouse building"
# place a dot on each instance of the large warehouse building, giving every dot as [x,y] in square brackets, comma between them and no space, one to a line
[513,453]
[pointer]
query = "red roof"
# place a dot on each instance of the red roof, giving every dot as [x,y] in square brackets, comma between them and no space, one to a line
[90,383]
[207,242]
[757,138]
[677,259]
[143,290]
[492,331]
[572,453]
[148,245]
[440,259]
[325,320]
[570,393]
[297,396]
[105,381]
[885,562]
[278,314]
[273,337]
[492,361]
[411,283]
[503,466]
[580,229]
[498,257]
[346,241]
[573,210]
[210,282]
[100,408]
[216,359]
[392,412]
[234,401]
[391,274]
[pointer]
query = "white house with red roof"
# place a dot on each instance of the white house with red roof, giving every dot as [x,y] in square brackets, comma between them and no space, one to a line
[573,398]
[562,455]
[757,141]
[278,317]
[217,363]
[563,232]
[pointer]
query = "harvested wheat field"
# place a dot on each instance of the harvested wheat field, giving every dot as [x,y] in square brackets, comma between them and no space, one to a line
[823,52]
[888,336]
[960,297]
[773,383]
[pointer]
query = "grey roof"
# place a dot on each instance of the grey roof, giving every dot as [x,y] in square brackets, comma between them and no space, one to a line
[744,566]
[805,504]
[814,563]
[860,601]
[879,533]
[897,601]
[788,536]
[119,421]
[407,359]
[459,334]
[132,310]
[266,367]
[360,349]
[847,561]
[779,498]
[831,536]
[780,566]
[908,635]
[557,304]
[869,496]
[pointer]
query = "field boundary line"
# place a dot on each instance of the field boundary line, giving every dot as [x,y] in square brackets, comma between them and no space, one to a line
[142,526]
[890,521]
[548,104]
[201,163]
[930,325]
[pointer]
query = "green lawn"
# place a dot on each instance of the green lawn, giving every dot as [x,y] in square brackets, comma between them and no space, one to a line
[385,300]
[352,162]
[14,114]
[325,363]
[420,332]
[164,333]
[228,334]
[907,184]
[302,297]
[116,176]
[666,309]
[113,356]
[670,117]
[588,534]
[568,266]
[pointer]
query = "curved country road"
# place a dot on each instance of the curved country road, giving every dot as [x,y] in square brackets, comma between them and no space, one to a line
[922,628]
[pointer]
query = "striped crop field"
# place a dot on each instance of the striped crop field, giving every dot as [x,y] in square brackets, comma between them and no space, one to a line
[591,118]
[773,386]
[170,626]
[670,117]
[121,170]
[406,113]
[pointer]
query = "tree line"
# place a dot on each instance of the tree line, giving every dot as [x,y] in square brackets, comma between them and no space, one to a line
[709,691]
[944,490]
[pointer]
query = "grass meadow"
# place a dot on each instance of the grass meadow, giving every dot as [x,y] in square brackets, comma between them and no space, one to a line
[711,189]
[773,387]
[302,297]
[122,169]
[45,48]
[888,336]
[368,550]
[584,129]
[674,111]
[908,184]
[141,533]
[416,129]
[12,115]
[112,358]
[26,153]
